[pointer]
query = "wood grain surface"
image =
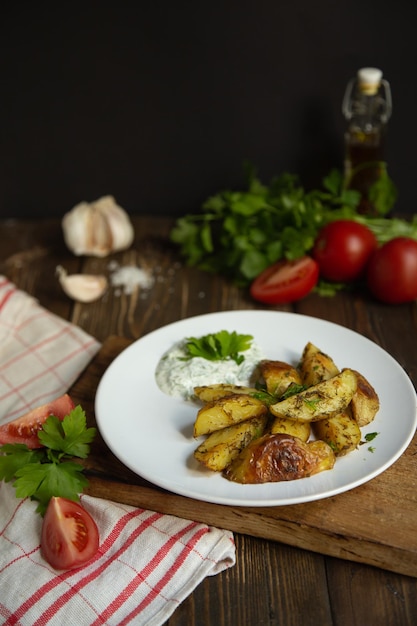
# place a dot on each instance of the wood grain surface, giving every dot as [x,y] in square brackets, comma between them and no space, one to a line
[291,580]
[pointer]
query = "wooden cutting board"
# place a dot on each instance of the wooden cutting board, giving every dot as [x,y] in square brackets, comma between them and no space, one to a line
[375,523]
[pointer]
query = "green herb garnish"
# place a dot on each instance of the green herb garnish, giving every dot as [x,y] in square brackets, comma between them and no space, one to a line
[328,289]
[369,437]
[292,390]
[264,396]
[221,346]
[238,234]
[311,403]
[50,471]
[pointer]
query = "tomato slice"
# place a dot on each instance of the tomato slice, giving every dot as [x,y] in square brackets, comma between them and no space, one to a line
[286,281]
[25,429]
[70,536]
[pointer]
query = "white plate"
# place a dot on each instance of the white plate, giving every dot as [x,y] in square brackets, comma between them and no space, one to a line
[151,433]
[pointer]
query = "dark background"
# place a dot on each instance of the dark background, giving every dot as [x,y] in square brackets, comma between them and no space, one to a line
[160,103]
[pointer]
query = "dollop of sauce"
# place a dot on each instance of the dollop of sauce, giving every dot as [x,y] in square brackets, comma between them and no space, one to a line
[176,375]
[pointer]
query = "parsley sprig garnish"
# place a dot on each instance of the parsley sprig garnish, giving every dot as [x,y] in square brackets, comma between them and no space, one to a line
[50,471]
[369,437]
[269,398]
[292,390]
[219,346]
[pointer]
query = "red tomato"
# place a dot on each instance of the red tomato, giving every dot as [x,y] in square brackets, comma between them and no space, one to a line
[285,281]
[392,271]
[25,429]
[342,250]
[69,536]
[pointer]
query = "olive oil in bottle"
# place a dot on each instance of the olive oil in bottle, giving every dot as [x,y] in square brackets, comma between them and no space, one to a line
[367,107]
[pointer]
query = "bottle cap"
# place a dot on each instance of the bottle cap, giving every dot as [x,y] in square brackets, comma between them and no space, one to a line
[369,79]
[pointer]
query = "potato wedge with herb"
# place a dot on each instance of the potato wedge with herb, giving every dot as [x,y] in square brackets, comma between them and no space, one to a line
[227,411]
[316,366]
[341,432]
[223,446]
[318,401]
[365,401]
[210,393]
[278,376]
[274,458]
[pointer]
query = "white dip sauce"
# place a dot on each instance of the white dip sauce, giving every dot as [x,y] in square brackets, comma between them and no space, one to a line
[177,377]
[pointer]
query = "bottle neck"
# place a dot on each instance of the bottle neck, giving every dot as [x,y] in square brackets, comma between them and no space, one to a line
[367,111]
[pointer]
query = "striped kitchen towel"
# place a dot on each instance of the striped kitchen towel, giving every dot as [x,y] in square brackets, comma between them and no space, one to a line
[41,354]
[147,562]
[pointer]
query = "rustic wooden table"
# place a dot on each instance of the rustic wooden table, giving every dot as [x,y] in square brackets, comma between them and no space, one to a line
[295,565]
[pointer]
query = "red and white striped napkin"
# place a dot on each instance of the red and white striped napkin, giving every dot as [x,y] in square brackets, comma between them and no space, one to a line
[41,355]
[147,563]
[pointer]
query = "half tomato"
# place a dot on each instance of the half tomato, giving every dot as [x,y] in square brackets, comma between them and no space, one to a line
[70,536]
[25,429]
[286,281]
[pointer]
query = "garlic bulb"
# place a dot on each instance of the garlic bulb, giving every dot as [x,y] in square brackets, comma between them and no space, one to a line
[82,287]
[97,228]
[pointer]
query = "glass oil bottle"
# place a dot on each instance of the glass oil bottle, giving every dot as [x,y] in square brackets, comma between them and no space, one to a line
[367,107]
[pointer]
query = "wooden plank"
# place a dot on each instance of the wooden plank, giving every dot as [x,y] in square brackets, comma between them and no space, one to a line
[373,524]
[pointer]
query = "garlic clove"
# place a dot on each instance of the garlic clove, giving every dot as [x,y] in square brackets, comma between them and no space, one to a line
[76,227]
[82,287]
[120,226]
[97,228]
[100,236]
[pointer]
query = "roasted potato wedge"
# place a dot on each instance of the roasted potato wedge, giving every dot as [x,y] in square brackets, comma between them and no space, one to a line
[316,366]
[274,458]
[341,432]
[365,401]
[209,393]
[227,411]
[295,428]
[318,401]
[222,447]
[278,376]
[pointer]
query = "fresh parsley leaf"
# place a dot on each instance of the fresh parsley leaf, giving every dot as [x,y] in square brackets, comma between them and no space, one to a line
[383,193]
[219,346]
[269,398]
[367,438]
[70,435]
[292,390]
[264,396]
[328,289]
[41,481]
[13,456]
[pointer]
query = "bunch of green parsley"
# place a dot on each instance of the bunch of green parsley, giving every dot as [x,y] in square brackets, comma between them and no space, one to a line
[42,473]
[240,233]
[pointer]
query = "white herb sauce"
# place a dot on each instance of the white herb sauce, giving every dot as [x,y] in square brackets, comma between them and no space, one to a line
[178,377]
